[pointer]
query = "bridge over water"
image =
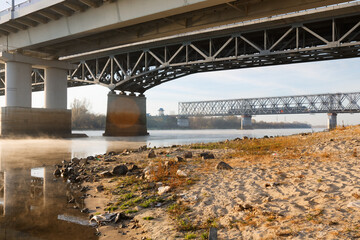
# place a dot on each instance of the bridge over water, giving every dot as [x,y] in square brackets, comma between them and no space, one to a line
[332,104]
[133,47]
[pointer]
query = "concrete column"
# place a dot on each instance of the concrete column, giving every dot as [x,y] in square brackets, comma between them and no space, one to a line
[183,122]
[246,122]
[18,84]
[126,115]
[55,88]
[332,121]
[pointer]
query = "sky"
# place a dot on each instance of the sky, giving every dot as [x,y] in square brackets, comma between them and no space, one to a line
[283,80]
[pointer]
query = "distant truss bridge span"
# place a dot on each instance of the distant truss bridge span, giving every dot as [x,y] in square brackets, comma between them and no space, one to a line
[303,104]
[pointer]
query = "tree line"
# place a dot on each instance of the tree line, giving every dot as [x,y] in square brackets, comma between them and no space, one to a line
[83,119]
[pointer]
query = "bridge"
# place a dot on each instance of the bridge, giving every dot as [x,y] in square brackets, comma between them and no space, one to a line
[332,104]
[133,47]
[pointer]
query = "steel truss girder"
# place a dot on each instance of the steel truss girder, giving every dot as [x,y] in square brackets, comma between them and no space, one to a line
[142,69]
[320,103]
[138,71]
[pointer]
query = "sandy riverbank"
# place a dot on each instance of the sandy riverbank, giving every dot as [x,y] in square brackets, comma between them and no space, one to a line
[295,187]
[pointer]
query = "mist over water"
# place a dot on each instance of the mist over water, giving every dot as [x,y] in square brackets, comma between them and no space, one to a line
[33,203]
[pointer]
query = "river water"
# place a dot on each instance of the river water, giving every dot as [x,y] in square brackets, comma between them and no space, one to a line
[34,205]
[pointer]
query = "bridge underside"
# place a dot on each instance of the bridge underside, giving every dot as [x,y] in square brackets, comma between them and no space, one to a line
[135,68]
[281,40]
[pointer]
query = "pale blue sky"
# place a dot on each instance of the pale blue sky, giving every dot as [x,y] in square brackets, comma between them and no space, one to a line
[296,79]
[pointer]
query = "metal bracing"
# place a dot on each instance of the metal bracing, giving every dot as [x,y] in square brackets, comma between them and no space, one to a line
[320,103]
[137,68]
[140,70]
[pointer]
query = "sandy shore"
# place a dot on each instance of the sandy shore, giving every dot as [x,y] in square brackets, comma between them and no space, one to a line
[296,187]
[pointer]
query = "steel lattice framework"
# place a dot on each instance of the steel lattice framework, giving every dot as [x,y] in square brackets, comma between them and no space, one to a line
[320,103]
[278,40]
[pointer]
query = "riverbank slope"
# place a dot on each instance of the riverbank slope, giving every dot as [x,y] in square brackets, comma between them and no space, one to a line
[295,187]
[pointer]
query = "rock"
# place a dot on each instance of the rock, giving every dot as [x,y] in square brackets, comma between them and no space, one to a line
[245,137]
[181,173]
[142,148]
[162,190]
[120,170]
[57,172]
[84,189]
[85,210]
[248,207]
[100,188]
[121,216]
[223,166]
[133,167]
[151,154]
[207,155]
[105,174]
[83,162]
[179,159]
[112,153]
[188,155]
[237,139]
[169,163]
[90,158]
[64,173]
[75,161]
[355,204]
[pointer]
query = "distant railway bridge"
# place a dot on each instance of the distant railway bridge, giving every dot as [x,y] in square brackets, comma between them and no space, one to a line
[330,103]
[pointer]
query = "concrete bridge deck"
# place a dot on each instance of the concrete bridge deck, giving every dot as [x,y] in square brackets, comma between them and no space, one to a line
[57,28]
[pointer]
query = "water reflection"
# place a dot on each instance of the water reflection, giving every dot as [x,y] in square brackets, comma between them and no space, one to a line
[31,199]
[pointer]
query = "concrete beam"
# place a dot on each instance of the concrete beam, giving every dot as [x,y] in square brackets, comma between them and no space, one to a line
[35,62]
[29,8]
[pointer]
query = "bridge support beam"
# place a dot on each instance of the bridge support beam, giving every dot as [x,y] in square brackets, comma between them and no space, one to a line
[126,115]
[55,88]
[246,122]
[332,121]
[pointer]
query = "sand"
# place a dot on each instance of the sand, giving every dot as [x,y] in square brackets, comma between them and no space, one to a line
[301,190]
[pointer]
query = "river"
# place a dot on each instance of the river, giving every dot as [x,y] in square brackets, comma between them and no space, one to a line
[34,204]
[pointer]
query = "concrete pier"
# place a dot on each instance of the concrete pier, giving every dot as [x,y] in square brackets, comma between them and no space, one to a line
[332,120]
[18,84]
[17,118]
[126,115]
[183,122]
[18,121]
[246,122]
[55,88]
